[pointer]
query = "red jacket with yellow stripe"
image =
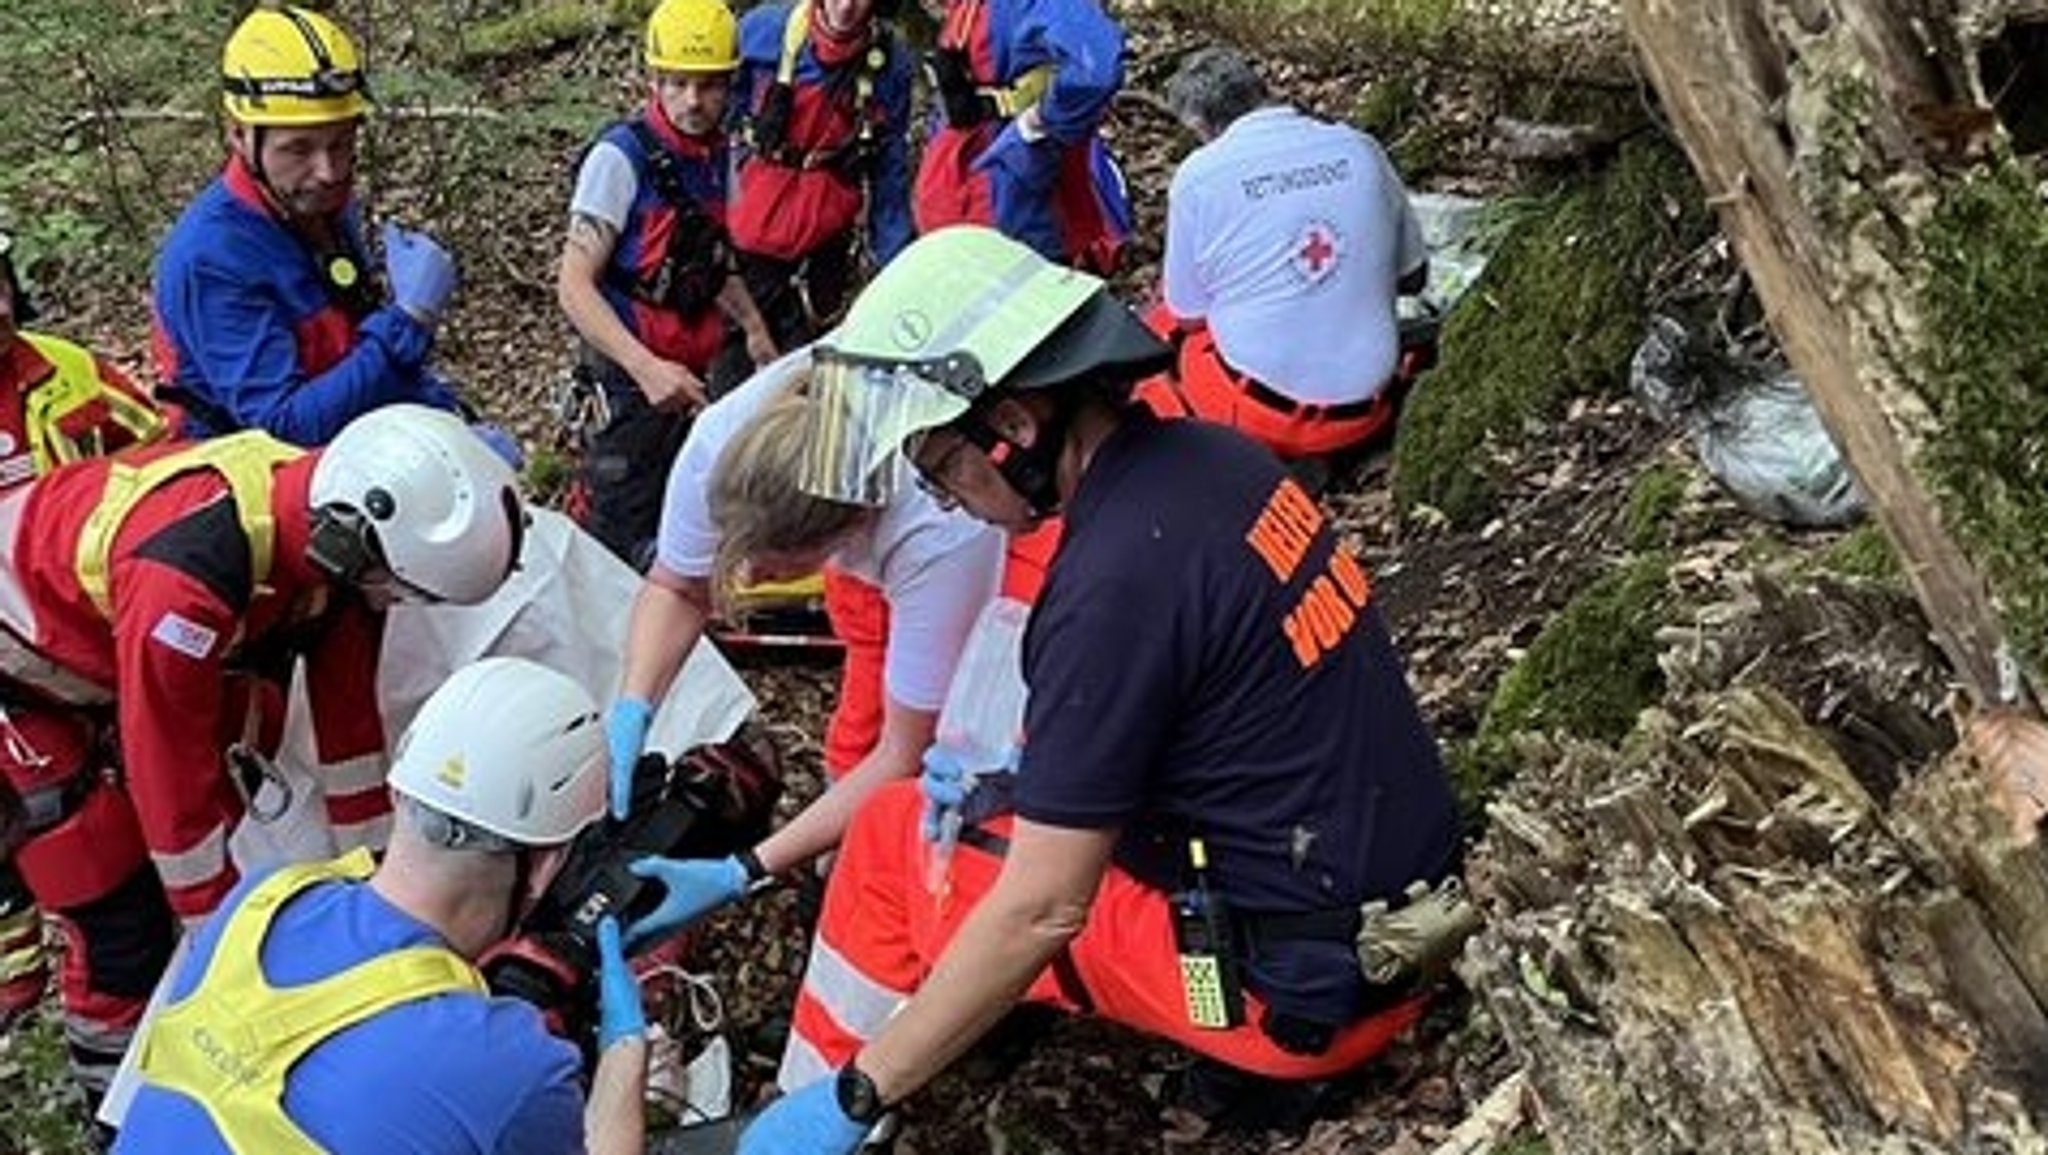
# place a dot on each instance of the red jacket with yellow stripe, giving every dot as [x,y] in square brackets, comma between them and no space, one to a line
[191,633]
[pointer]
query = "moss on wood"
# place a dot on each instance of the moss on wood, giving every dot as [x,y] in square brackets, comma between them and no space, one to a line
[1557,314]
[1590,671]
[1653,502]
[1864,552]
[547,26]
[1986,296]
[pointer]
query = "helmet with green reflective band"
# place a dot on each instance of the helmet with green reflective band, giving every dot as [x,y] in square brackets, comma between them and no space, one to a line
[962,311]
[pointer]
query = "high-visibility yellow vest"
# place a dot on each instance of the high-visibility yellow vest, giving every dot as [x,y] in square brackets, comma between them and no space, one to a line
[75,384]
[230,1043]
[244,459]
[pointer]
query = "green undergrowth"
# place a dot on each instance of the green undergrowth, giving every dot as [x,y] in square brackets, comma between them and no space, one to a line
[45,1112]
[1556,315]
[1590,671]
[1986,300]
[1338,31]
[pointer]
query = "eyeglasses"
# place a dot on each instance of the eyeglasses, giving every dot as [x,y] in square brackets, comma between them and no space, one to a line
[933,480]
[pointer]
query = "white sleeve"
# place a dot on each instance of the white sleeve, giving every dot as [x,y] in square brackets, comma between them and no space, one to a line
[605,186]
[1180,271]
[686,543]
[937,582]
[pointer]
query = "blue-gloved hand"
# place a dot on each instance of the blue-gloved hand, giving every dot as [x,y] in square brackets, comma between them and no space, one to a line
[501,442]
[807,1119]
[625,731]
[421,272]
[620,1014]
[696,887]
[1027,160]
[945,787]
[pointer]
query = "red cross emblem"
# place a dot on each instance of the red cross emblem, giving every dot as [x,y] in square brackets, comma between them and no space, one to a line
[1317,249]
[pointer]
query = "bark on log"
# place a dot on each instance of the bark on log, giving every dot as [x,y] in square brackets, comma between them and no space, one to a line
[1778,921]
[1744,932]
[1809,124]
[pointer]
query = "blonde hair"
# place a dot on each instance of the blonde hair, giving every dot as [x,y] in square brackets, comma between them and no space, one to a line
[753,495]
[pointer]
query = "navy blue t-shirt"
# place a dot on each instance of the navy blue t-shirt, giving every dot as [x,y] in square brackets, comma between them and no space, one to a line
[1204,660]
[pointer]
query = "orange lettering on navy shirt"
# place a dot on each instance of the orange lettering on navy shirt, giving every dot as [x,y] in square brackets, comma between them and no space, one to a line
[1285,529]
[1328,609]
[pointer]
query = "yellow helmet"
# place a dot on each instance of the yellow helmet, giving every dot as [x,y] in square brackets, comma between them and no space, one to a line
[693,36]
[290,67]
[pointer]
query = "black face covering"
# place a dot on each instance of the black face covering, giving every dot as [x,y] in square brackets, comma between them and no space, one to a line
[1033,470]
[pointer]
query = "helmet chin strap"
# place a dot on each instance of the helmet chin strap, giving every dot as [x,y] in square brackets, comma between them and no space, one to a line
[1031,470]
[522,869]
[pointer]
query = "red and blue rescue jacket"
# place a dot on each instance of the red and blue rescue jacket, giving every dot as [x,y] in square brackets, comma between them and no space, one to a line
[253,329]
[834,131]
[1064,196]
[702,167]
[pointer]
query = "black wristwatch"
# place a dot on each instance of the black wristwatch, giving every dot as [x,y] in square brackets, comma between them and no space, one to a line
[859,1097]
[758,878]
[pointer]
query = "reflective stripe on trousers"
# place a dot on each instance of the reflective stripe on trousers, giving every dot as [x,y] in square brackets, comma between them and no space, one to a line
[882,931]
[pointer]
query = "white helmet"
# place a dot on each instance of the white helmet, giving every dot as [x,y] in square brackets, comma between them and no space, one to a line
[510,747]
[414,489]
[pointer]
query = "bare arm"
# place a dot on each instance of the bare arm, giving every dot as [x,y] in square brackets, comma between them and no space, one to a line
[1039,903]
[738,304]
[905,735]
[666,384]
[615,1117]
[668,617]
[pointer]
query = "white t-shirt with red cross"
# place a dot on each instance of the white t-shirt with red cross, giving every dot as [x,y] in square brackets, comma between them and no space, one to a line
[1288,235]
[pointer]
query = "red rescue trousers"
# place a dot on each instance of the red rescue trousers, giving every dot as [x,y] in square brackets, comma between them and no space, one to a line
[1202,384]
[882,930]
[85,863]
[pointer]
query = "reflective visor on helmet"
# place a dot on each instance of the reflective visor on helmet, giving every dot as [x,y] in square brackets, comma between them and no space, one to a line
[864,410]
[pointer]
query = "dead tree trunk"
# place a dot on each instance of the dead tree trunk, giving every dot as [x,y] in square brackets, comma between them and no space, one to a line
[1778,923]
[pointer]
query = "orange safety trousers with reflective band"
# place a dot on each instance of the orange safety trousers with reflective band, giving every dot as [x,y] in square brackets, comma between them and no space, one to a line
[882,930]
[230,1044]
[1202,384]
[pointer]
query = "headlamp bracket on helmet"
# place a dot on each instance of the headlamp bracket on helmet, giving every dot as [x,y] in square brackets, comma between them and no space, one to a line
[342,543]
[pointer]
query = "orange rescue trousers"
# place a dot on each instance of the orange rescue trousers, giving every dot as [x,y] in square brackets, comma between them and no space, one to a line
[882,930]
[1202,384]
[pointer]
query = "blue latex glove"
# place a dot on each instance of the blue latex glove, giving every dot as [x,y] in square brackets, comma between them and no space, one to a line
[806,1120]
[1027,160]
[944,783]
[421,272]
[620,1015]
[501,442]
[696,887]
[625,731]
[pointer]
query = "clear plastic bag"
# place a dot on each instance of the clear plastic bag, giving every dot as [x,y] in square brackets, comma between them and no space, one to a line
[1753,425]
